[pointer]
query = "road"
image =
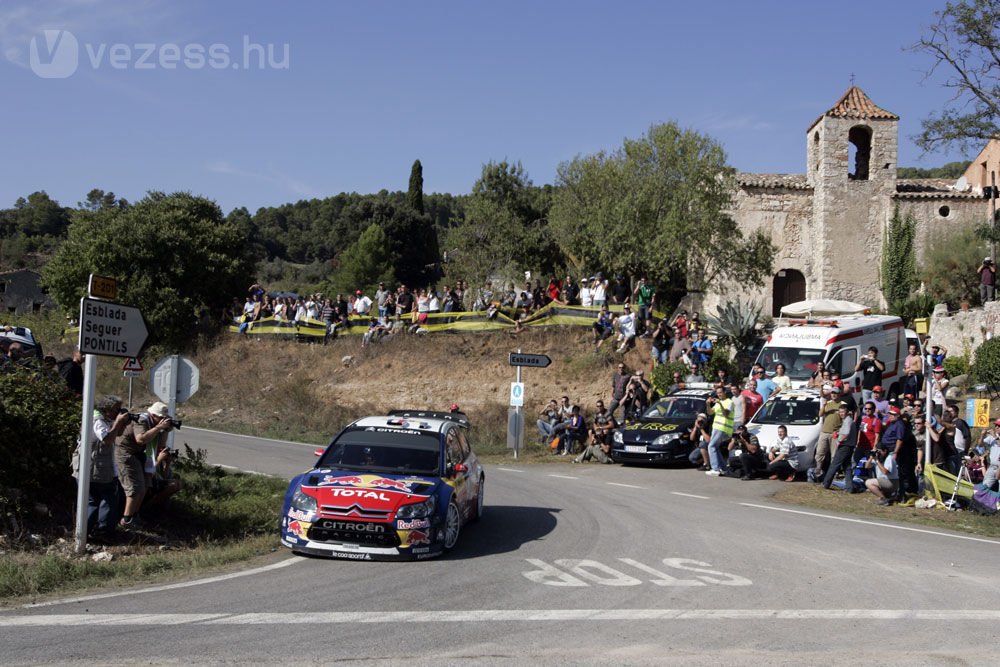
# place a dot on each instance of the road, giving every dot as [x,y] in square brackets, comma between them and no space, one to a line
[584,564]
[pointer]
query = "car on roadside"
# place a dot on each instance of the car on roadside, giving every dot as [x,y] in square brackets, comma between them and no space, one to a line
[660,435]
[798,411]
[394,487]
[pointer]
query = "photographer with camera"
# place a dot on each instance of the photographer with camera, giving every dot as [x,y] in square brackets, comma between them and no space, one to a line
[987,280]
[636,396]
[141,435]
[102,505]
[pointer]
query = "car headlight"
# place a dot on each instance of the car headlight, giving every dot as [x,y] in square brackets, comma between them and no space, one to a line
[664,439]
[617,437]
[417,510]
[303,501]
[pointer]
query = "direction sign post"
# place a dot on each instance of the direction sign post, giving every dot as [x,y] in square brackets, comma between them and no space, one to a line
[530,360]
[106,329]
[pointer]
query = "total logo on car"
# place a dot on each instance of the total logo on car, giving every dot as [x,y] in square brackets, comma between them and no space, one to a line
[391,487]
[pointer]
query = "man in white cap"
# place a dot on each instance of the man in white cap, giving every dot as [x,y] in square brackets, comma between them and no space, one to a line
[130,455]
[987,280]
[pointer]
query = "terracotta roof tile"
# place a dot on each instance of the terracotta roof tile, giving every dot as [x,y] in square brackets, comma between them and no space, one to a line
[787,181]
[930,188]
[855,104]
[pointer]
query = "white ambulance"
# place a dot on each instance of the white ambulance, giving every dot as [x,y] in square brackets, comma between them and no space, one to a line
[839,342]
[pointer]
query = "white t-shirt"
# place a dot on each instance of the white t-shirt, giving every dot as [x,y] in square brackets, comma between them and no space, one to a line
[435,303]
[362,305]
[586,296]
[891,473]
[600,292]
[626,324]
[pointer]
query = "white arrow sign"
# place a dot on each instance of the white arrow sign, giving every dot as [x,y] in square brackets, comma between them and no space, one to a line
[111,329]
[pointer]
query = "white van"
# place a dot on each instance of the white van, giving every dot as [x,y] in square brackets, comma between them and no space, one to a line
[838,342]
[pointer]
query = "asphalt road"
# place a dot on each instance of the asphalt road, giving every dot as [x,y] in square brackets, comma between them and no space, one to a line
[586,564]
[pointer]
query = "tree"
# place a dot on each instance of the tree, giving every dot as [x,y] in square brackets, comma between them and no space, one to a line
[505,229]
[172,254]
[659,206]
[98,199]
[415,195]
[965,42]
[899,267]
[366,263]
[949,267]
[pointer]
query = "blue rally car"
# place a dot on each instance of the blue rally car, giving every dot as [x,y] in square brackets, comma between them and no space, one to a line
[393,487]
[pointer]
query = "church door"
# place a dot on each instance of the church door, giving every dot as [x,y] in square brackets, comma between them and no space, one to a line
[789,287]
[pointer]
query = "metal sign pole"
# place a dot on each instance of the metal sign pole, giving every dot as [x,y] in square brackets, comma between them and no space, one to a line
[86,438]
[518,420]
[172,403]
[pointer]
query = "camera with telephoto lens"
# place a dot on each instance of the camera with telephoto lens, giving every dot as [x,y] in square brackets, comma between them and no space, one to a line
[176,423]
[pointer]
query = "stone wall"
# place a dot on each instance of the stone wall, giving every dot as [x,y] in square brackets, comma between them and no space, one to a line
[963,331]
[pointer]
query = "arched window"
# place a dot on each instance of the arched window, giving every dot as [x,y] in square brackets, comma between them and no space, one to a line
[860,152]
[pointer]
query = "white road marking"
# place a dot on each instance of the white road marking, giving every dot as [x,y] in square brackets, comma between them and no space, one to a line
[170,587]
[493,615]
[255,437]
[564,477]
[510,470]
[627,486]
[689,495]
[874,523]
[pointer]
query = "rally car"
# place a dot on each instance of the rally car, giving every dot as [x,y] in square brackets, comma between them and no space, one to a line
[393,487]
[798,411]
[660,434]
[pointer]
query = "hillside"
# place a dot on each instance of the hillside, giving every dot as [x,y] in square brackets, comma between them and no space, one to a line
[307,392]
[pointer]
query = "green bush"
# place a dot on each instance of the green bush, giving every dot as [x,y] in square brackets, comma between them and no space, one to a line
[39,426]
[663,376]
[720,360]
[909,309]
[986,367]
[956,365]
[950,263]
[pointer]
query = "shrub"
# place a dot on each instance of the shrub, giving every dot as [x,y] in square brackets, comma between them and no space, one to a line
[720,360]
[909,309]
[663,376]
[986,367]
[950,262]
[39,426]
[956,365]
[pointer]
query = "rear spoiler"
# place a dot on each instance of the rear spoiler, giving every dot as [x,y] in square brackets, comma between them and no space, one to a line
[457,417]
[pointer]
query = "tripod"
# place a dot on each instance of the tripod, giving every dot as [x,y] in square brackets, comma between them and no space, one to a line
[963,472]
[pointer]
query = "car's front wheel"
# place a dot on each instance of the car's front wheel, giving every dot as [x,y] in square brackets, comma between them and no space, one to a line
[452,526]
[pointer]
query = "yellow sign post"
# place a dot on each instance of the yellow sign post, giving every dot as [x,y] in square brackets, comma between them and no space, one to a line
[103,287]
[982,412]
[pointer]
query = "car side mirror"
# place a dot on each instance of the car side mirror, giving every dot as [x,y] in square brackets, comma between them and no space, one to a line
[318,452]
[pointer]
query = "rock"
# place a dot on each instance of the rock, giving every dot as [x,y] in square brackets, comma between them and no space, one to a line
[347,360]
[103,557]
[216,412]
[959,381]
[940,310]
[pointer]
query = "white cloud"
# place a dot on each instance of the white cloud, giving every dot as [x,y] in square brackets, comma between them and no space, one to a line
[90,21]
[272,178]
[720,123]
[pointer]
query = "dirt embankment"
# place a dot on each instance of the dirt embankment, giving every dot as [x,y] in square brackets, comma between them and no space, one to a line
[287,389]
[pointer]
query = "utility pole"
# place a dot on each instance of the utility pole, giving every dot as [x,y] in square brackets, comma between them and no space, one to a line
[993,216]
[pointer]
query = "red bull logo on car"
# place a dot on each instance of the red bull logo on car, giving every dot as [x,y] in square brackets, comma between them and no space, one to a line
[418,537]
[371,482]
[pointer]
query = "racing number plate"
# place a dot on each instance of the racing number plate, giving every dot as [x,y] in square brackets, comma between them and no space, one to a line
[636,449]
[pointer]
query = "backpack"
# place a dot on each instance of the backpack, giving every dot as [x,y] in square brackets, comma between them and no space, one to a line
[984,501]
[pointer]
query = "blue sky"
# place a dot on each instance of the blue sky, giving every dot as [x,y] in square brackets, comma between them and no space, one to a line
[367,87]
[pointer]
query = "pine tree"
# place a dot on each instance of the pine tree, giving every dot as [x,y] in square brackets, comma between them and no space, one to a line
[415,195]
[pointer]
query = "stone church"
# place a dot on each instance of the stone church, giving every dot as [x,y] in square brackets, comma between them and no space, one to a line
[829,223]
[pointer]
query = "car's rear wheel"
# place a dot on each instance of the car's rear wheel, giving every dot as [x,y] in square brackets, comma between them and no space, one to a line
[452,526]
[479,499]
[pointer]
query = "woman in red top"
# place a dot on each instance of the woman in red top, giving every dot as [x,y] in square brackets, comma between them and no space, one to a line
[553,289]
[871,429]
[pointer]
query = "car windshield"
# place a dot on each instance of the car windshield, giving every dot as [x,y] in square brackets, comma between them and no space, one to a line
[385,450]
[675,407]
[789,411]
[800,363]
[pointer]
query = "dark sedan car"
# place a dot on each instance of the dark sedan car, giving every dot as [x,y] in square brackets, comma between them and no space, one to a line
[660,435]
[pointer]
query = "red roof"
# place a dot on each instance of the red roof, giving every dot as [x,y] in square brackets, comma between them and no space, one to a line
[855,104]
